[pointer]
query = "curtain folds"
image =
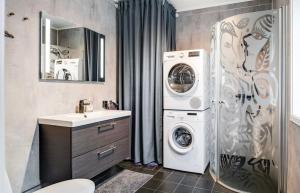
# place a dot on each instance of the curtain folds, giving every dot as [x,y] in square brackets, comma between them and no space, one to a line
[92,43]
[146,29]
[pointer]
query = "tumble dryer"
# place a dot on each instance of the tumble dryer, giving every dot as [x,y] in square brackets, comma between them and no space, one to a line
[186,80]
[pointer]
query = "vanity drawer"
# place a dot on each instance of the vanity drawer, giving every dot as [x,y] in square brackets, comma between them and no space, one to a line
[92,163]
[88,139]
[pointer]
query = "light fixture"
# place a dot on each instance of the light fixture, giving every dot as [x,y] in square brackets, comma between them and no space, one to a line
[47,44]
[102,59]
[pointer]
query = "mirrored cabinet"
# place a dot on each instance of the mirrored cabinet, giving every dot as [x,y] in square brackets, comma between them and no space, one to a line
[70,53]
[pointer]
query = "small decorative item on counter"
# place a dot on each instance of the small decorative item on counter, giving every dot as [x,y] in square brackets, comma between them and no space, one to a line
[110,105]
[113,105]
[105,104]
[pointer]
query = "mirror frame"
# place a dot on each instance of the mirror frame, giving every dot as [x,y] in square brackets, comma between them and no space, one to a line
[41,79]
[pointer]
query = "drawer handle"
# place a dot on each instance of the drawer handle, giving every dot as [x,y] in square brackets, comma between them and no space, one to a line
[106,127]
[106,153]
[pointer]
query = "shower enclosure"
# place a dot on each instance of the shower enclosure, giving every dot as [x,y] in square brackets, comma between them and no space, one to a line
[247,123]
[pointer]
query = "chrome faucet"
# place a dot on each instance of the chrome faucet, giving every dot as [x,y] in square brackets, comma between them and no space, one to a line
[83,105]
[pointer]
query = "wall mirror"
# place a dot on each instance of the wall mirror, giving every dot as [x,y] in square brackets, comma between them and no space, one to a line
[70,53]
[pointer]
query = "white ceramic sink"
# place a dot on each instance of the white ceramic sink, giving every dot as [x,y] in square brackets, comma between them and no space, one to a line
[79,119]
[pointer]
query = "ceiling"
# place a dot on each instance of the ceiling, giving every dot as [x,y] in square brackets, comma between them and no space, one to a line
[187,5]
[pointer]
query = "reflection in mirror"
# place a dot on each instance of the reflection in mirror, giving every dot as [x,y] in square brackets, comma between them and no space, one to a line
[94,56]
[70,53]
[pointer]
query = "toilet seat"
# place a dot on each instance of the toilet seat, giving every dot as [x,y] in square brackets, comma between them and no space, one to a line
[70,186]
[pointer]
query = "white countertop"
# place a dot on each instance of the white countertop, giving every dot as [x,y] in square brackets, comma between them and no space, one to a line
[79,119]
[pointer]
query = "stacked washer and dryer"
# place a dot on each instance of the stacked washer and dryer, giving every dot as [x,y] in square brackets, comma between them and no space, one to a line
[186,110]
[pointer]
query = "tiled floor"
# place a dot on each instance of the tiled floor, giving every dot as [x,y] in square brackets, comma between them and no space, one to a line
[171,181]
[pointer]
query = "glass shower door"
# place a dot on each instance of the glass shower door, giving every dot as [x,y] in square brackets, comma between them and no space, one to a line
[248,104]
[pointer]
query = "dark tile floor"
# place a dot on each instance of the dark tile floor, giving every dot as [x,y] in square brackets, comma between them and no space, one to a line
[171,181]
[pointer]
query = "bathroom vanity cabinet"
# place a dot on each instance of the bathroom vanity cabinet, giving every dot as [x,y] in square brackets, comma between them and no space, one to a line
[82,151]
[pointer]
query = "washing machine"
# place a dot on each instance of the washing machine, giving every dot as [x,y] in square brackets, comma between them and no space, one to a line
[186,80]
[185,140]
[66,69]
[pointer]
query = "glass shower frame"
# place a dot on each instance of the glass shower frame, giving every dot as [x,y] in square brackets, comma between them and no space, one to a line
[278,60]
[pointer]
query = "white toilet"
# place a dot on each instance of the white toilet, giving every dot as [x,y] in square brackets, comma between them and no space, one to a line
[70,186]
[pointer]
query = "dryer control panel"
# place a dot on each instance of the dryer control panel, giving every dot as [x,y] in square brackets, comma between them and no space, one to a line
[194,54]
[184,54]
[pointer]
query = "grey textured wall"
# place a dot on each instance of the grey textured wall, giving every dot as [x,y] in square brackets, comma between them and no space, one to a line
[279,3]
[3,184]
[293,185]
[194,27]
[71,38]
[27,98]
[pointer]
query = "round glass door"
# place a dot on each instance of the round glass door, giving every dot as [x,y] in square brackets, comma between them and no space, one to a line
[181,139]
[181,78]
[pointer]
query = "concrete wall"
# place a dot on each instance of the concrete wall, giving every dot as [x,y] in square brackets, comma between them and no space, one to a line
[279,3]
[27,98]
[194,27]
[3,182]
[293,184]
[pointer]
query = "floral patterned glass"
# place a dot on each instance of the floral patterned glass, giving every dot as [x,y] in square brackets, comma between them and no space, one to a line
[245,109]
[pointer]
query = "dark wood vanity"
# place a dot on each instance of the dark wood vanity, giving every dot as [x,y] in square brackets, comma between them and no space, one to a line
[83,151]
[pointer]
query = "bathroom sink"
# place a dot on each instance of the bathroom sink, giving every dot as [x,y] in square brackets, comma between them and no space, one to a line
[79,119]
[76,116]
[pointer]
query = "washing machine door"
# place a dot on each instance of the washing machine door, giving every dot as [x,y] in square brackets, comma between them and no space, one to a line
[63,74]
[181,138]
[182,79]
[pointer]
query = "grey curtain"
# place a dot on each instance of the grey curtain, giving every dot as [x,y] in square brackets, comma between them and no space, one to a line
[146,28]
[92,44]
